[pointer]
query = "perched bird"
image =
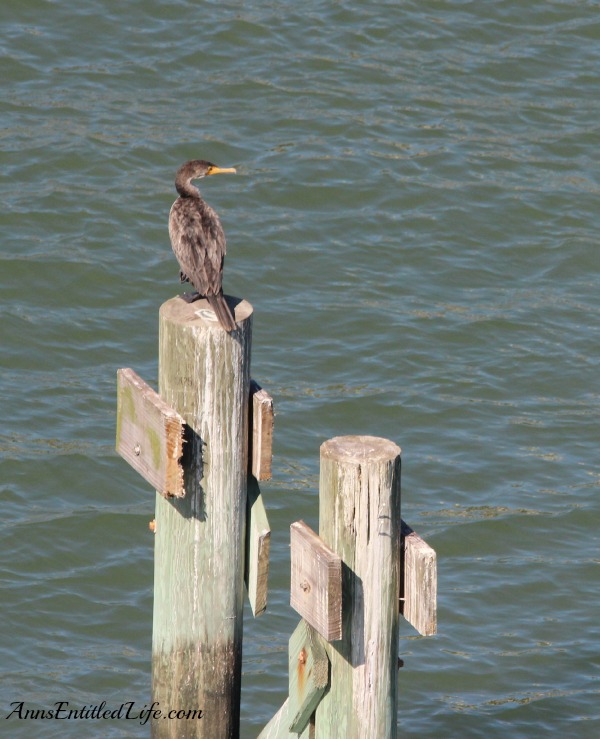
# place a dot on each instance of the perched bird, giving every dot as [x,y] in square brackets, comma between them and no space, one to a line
[198,239]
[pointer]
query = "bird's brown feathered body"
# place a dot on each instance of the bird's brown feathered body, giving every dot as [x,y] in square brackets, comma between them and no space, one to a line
[198,239]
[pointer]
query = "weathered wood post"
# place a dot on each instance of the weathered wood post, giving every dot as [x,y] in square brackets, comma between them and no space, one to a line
[359,518]
[346,585]
[204,374]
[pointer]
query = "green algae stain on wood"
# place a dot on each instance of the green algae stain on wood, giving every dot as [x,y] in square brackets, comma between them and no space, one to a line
[125,408]
[155,446]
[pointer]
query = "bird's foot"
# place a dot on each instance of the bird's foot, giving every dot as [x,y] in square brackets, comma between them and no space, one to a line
[191,297]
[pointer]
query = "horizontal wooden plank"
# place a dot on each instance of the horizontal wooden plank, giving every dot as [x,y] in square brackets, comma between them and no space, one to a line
[316,582]
[258,542]
[261,435]
[418,578]
[150,434]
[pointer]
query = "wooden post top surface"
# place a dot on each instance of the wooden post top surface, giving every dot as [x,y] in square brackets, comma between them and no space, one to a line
[178,310]
[359,449]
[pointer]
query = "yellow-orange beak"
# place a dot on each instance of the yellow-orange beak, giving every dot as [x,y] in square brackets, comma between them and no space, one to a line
[220,170]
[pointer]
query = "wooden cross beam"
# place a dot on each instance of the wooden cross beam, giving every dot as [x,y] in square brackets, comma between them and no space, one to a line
[316,582]
[149,434]
[316,593]
[418,582]
[261,431]
[258,544]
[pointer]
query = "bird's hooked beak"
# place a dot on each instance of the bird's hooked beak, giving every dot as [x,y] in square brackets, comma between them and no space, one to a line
[219,170]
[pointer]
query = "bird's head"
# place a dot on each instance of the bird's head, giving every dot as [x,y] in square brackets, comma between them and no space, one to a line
[195,170]
[198,168]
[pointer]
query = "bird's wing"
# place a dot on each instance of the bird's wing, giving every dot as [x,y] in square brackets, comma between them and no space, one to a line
[199,244]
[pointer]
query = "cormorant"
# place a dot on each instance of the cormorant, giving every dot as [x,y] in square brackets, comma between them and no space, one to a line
[198,239]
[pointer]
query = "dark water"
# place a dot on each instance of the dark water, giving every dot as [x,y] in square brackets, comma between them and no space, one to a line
[414,220]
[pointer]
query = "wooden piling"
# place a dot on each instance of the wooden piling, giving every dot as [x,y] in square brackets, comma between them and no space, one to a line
[359,518]
[204,374]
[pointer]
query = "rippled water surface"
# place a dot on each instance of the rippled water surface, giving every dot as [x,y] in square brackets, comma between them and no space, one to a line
[414,220]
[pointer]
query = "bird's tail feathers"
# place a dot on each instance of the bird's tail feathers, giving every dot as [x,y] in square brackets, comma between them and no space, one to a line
[224,314]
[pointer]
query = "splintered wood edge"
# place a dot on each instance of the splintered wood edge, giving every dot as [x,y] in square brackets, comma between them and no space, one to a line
[418,602]
[262,420]
[316,582]
[150,434]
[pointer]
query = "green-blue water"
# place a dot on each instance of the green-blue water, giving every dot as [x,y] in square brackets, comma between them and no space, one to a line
[415,221]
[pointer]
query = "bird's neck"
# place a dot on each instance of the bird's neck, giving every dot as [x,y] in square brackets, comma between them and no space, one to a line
[186,189]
